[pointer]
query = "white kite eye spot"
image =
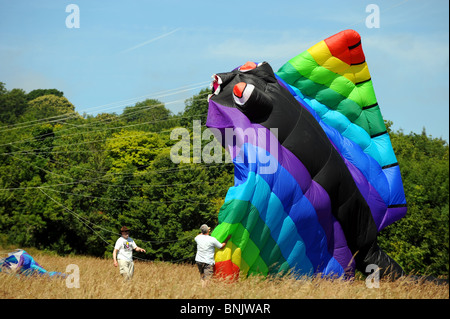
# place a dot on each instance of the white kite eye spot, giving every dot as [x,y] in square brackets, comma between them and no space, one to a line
[242,92]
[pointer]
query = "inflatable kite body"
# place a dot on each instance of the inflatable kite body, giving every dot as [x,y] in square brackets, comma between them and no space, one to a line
[20,262]
[316,178]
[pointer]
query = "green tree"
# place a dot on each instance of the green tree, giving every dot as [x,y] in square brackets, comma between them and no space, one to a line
[12,104]
[196,108]
[49,107]
[419,242]
[151,115]
[40,92]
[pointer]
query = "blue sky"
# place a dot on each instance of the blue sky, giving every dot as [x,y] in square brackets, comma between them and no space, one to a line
[126,51]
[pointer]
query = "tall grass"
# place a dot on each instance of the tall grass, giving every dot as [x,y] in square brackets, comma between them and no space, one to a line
[99,279]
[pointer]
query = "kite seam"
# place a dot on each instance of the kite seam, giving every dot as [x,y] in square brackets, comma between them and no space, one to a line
[358,83]
[355,45]
[397,205]
[378,134]
[369,106]
[390,165]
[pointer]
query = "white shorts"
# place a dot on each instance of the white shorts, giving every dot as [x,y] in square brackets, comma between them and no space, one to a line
[126,268]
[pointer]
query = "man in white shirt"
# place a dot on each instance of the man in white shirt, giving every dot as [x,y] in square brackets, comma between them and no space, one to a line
[123,253]
[205,252]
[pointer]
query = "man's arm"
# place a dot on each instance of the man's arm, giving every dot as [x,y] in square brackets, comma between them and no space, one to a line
[139,249]
[115,257]
[136,248]
[226,241]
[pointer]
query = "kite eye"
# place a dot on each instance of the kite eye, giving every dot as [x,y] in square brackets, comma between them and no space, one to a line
[248,66]
[215,84]
[242,92]
[251,101]
[218,82]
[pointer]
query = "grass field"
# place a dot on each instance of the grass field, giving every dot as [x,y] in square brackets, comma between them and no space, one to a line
[99,279]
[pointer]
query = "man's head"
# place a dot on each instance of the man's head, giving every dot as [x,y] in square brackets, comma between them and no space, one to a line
[124,231]
[204,229]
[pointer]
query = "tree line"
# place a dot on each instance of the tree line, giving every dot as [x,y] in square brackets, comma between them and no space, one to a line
[68,182]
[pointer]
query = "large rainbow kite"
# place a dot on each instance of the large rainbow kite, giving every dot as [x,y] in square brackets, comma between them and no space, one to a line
[316,177]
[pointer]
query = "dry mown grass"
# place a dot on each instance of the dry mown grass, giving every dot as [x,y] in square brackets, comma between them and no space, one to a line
[99,279]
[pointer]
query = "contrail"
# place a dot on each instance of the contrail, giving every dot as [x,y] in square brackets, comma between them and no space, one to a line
[150,41]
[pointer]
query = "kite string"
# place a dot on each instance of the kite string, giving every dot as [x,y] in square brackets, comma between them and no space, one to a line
[75,114]
[43,149]
[87,125]
[139,200]
[85,221]
[124,174]
[80,218]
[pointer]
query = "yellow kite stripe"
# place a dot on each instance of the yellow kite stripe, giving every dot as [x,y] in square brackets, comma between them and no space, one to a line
[323,57]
